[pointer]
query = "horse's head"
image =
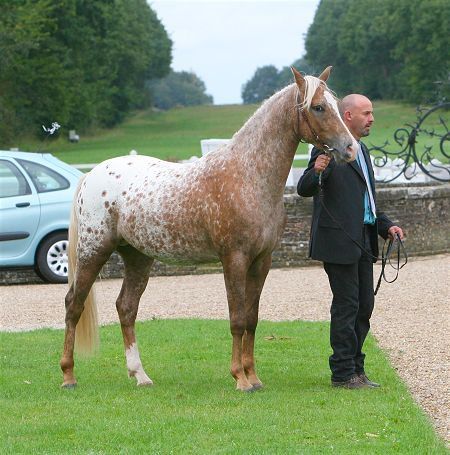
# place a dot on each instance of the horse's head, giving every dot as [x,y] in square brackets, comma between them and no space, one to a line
[319,121]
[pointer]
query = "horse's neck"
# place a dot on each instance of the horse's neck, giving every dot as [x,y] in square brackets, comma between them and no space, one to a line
[265,146]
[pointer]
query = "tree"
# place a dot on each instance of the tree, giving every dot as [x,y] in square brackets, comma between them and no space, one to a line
[383,49]
[263,84]
[425,54]
[179,89]
[285,75]
[321,40]
[77,62]
[267,80]
[29,64]
[139,49]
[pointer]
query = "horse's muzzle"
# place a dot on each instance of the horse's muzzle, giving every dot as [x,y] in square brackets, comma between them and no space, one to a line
[343,156]
[350,152]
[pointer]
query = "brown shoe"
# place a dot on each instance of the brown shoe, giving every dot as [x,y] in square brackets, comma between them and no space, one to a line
[353,383]
[363,378]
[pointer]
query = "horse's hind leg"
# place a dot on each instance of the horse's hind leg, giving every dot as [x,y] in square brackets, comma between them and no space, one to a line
[137,272]
[87,271]
[256,277]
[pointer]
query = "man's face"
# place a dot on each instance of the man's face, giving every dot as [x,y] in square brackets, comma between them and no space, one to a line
[361,118]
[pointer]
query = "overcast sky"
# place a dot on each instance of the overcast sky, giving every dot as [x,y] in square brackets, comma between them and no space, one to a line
[224,42]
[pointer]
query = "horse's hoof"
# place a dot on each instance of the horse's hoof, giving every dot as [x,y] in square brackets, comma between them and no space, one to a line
[257,386]
[250,390]
[145,384]
[69,385]
[246,389]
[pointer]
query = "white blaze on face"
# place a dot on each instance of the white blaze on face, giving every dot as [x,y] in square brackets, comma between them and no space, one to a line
[332,102]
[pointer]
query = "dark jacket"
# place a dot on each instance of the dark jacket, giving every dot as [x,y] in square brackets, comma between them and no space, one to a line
[343,195]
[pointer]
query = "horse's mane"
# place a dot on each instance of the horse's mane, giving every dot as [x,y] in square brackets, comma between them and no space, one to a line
[311,85]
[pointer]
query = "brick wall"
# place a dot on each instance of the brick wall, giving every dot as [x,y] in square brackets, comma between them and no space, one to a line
[421,210]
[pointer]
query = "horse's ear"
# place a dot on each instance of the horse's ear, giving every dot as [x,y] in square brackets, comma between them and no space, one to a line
[298,77]
[325,74]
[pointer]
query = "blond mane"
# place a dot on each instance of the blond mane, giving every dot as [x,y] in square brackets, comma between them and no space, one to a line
[311,85]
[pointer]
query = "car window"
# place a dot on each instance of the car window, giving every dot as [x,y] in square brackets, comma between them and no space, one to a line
[12,181]
[44,178]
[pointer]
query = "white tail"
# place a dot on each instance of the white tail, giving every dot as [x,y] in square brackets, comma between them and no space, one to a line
[86,334]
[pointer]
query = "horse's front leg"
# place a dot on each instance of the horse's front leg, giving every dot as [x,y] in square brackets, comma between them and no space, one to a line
[137,272]
[256,277]
[235,267]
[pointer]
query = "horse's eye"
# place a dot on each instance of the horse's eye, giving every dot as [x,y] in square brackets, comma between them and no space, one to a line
[318,108]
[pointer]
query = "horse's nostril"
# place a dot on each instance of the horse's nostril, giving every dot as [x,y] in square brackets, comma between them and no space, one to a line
[350,151]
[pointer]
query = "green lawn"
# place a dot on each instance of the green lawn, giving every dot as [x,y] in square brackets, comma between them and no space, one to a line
[176,134]
[193,407]
[172,135]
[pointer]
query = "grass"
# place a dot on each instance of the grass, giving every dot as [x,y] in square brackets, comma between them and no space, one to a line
[176,134]
[172,135]
[193,407]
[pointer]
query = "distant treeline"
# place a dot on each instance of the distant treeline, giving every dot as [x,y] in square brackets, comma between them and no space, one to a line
[179,88]
[267,80]
[81,63]
[385,49]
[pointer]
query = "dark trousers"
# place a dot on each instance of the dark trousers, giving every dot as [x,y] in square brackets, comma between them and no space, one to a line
[351,309]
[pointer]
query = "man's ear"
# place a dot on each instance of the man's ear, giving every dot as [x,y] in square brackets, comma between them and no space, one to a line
[325,74]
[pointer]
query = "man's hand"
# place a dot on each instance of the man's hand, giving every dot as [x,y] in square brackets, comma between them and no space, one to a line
[395,230]
[321,163]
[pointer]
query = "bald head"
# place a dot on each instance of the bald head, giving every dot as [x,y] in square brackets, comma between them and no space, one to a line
[354,100]
[357,112]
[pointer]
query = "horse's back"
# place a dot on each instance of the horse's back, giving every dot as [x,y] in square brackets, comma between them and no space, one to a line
[151,204]
[190,213]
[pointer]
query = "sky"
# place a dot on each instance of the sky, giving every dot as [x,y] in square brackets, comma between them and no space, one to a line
[224,42]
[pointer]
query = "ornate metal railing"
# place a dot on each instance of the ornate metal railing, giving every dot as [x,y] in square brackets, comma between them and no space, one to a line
[430,159]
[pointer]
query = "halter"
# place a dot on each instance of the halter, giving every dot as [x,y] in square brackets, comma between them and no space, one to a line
[319,144]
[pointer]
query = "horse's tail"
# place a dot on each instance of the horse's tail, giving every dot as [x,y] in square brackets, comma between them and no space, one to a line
[86,333]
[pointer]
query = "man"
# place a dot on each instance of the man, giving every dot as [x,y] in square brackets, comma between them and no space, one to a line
[344,216]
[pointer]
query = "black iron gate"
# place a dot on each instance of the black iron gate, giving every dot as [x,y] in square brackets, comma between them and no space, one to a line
[428,154]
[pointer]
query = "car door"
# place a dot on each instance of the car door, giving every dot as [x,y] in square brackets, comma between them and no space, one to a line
[19,211]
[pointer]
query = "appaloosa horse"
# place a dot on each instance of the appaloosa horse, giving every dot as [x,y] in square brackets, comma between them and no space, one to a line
[228,206]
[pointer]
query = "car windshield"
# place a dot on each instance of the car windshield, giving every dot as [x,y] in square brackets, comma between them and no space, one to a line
[45,179]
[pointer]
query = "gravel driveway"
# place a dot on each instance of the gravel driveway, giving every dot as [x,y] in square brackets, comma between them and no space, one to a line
[411,320]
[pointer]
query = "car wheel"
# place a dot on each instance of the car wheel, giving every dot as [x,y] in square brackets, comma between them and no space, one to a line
[52,258]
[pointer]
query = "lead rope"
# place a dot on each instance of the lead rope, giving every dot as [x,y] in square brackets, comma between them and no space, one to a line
[385,259]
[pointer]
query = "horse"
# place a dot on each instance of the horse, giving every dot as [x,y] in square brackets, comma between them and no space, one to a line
[227,206]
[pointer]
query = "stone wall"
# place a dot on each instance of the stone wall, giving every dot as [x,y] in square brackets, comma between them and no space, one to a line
[421,210]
